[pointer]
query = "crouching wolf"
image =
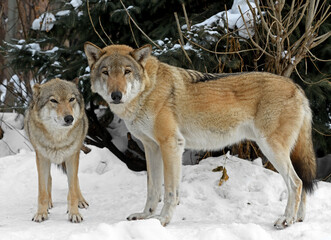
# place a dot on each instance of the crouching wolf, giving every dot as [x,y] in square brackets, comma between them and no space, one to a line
[169,108]
[56,125]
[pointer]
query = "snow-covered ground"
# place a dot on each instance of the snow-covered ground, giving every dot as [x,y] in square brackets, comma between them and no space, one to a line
[244,207]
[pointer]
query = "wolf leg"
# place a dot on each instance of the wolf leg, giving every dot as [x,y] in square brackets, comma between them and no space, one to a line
[154,180]
[49,190]
[172,150]
[280,159]
[73,195]
[302,207]
[82,203]
[43,167]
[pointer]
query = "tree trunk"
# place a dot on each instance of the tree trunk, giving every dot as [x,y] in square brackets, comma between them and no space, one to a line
[12,20]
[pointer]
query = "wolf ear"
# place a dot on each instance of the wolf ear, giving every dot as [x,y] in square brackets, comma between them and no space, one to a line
[36,91]
[142,54]
[92,52]
[76,81]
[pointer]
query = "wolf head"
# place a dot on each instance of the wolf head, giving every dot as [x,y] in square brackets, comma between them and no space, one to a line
[117,71]
[57,103]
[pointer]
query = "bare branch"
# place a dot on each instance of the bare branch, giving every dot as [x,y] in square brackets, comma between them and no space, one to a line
[318,40]
[290,16]
[264,23]
[134,37]
[295,25]
[185,53]
[127,12]
[178,28]
[186,18]
[89,14]
[103,30]
[310,14]
[250,37]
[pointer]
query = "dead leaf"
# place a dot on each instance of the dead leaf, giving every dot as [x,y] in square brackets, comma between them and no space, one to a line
[224,177]
[218,169]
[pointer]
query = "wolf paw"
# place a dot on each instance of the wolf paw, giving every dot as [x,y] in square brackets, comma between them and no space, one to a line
[50,204]
[283,222]
[138,216]
[75,217]
[83,204]
[40,217]
[163,220]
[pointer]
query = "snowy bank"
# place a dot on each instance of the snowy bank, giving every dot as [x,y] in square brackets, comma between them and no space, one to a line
[244,207]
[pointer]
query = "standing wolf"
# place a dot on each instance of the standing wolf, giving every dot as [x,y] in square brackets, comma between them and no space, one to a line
[56,125]
[170,108]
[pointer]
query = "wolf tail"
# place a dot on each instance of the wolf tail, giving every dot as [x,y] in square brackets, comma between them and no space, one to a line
[303,156]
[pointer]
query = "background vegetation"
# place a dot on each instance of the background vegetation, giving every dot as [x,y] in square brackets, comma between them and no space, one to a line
[290,39]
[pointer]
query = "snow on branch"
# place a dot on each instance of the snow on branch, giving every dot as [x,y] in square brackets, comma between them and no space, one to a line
[44,23]
[233,19]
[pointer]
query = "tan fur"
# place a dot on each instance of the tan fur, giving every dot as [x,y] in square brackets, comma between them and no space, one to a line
[170,108]
[57,141]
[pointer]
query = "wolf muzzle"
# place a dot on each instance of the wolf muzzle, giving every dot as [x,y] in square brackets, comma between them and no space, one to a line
[116,96]
[68,120]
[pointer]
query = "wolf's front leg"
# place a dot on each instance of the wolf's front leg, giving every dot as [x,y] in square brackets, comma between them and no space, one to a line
[44,199]
[82,203]
[154,180]
[172,151]
[73,195]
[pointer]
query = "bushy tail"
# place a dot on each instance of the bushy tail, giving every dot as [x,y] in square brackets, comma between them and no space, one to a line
[303,156]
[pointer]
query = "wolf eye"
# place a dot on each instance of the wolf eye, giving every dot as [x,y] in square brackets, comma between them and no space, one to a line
[127,71]
[54,101]
[71,99]
[105,72]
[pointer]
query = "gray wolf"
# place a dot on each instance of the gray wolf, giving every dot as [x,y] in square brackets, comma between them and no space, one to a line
[56,125]
[170,108]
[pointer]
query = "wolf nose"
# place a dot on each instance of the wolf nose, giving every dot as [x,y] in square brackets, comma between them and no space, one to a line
[68,119]
[116,96]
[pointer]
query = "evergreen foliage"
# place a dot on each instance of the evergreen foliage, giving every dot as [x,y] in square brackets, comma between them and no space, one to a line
[61,49]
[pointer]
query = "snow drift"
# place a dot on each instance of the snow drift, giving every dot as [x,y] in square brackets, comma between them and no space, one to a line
[244,207]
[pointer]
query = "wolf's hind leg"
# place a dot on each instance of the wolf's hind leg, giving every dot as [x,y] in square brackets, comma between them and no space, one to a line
[302,208]
[280,159]
[154,181]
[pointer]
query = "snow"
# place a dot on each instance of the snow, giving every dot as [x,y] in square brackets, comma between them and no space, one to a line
[120,10]
[3,90]
[32,47]
[76,3]
[14,139]
[168,46]
[209,22]
[232,18]
[19,86]
[53,50]
[235,20]
[244,207]
[62,13]
[44,23]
